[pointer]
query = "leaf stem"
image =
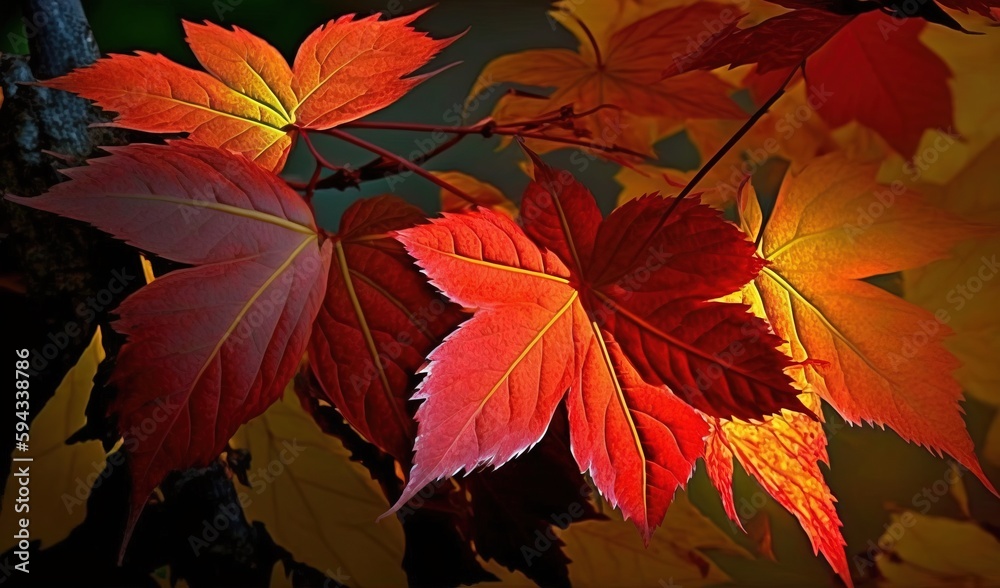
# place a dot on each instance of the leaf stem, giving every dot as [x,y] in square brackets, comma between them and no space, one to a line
[316,154]
[310,188]
[401,161]
[405,126]
[613,148]
[700,175]
[558,116]
[593,42]
[739,134]
[489,128]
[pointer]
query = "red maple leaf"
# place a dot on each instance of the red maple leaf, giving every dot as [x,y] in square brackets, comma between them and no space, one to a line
[873,66]
[616,311]
[211,346]
[377,323]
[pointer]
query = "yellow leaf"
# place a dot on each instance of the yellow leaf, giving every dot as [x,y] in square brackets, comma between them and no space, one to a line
[147,269]
[63,474]
[505,578]
[607,16]
[831,227]
[604,553]
[315,502]
[279,578]
[791,130]
[783,454]
[920,550]
[648,179]
[958,491]
[485,194]
[962,290]
[164,579]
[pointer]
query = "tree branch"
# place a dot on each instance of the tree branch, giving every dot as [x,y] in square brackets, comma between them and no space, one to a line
[61,264]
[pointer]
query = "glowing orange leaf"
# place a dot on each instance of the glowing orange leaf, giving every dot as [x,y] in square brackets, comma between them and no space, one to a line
[344,70]
[833,225]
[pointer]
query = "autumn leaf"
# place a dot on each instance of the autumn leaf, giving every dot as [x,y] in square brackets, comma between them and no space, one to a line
[641,180]
[759,531]
[961,290]
[377,322]
[888,83]
[210,346]
[936,551]
[436,524]
[482,193]
[982,7]
[832,226]
[147,269]
[622,69]
[577,306]
[604,552]
[867,62]
[68,469]
[783,454]
[250,101]
[944,154]
[320,505]
[777,43]
[279,578]
[165,578]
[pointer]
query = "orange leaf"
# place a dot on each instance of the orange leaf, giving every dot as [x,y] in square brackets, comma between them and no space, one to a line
[252,100]
[783,454]
[832,226]
[350,68]
[484,194]
[622,68]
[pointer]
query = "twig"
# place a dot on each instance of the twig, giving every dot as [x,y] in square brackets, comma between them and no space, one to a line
[558,116]
[401,161]
[316,154]
[310,188]
[589,144]
[743,130]
[750,122]
[487,129]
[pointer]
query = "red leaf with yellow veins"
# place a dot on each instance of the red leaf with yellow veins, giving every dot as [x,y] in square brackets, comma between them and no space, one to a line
[832,226]
[566,305]
[343,71]
[377,323]
[211,346]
